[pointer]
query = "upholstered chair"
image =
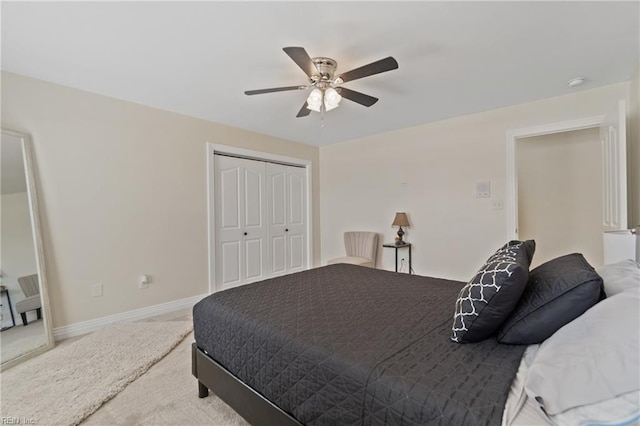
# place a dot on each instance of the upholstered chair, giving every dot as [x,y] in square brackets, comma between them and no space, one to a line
[361,248]
[31,288]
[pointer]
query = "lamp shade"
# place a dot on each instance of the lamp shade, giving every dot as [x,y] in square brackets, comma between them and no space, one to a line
[400,220]
[331,99]
[314,101]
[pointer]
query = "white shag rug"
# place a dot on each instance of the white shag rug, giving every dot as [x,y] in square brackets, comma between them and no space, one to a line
[68,383]
[166,395]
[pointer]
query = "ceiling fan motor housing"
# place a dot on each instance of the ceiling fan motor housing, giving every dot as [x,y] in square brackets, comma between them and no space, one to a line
[326,68]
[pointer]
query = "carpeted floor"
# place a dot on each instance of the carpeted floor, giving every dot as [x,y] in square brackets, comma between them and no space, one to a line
[22,346]
[167,394]
[68,383]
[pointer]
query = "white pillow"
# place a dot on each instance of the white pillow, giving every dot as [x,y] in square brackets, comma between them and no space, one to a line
[595,357]
[620,276]
[621,410]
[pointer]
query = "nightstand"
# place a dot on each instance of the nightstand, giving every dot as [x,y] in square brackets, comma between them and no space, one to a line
[400,246]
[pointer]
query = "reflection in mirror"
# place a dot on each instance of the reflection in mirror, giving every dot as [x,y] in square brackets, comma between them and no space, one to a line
[24,309]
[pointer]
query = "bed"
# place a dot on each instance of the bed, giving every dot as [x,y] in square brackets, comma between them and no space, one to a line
[344,344]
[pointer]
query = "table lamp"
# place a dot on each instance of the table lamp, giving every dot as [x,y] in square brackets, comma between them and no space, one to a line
[400,220]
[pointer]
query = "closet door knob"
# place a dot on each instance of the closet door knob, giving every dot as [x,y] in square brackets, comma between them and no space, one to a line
[286,230]
[245,233]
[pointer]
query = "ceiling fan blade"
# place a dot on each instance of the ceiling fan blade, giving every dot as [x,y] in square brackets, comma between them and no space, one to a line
[275,89]
[383,65]
[302,58]
[304,111]
[357,97]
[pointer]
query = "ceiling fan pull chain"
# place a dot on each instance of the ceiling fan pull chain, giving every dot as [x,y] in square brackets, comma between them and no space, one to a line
[322,108]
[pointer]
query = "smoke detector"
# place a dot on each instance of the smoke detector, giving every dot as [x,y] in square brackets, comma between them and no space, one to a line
[576,81]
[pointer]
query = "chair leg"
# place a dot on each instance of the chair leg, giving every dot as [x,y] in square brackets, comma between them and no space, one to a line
[24,318]
[39,313]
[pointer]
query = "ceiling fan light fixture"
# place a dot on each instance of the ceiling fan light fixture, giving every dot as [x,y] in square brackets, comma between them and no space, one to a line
[329,108]
[331,98]
[314,101]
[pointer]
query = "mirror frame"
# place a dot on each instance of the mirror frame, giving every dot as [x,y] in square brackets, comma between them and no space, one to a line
[34,212]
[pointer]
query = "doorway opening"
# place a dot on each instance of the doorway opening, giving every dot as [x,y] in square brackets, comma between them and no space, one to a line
[560,194]
[570,160]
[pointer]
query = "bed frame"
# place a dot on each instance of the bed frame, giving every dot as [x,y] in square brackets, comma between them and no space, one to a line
[252,406]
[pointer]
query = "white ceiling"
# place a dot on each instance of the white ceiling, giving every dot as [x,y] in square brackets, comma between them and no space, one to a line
[198,58]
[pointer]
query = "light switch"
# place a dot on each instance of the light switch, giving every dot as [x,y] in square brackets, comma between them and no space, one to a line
[96,290]
[483,189]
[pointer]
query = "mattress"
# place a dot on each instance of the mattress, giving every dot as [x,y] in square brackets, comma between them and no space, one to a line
[345,344]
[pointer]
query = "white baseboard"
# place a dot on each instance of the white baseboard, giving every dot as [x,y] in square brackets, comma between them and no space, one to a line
[84,327]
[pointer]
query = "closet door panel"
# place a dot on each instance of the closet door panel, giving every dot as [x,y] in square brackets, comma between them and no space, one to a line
[239,208]
[253,194]
[230,262]
[254,253]
[255,233]
[279,254]
[230,198]
[277,199]
[296,219]
[297,197]
[228,219]
[296,259]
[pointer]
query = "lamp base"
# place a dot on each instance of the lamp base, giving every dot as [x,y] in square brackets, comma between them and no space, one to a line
[400,234]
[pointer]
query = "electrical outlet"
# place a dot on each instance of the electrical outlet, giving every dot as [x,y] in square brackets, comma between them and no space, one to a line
[96,290]
[143,281]
[497,204]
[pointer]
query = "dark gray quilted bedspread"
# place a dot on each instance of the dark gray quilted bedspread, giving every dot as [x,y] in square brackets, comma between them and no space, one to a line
[347,345]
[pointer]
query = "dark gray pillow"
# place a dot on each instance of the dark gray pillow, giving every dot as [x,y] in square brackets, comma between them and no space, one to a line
[488,299]
[558,291]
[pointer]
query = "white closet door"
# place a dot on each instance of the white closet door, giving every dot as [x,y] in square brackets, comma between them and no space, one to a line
[287,196]
[277,200]
[241,231]
[296,230]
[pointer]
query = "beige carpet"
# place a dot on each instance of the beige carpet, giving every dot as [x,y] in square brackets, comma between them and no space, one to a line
[68,383]
[167,394]
[21,346]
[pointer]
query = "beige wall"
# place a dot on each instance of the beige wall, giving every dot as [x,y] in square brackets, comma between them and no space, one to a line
[430,172]
[123,189]
[560,194]
[634,149]
[123,192]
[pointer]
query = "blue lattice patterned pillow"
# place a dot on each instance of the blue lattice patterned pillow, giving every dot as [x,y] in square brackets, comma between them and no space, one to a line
[492,294]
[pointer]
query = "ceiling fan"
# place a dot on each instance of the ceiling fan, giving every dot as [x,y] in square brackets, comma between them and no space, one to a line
[327,90]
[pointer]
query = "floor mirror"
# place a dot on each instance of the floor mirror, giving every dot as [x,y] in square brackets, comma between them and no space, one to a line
[25,316]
